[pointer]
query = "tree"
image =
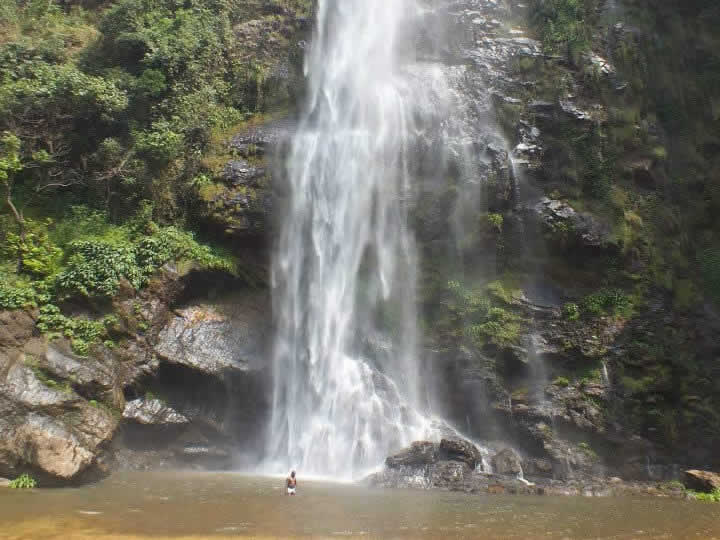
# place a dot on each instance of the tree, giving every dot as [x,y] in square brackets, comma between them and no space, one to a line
[10,165]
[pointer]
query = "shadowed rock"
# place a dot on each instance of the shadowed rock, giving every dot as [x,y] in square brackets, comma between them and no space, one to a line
[460,450]
[705,481]
[419,453]
[152,412]
[507,461]
[240,172]
[215,339]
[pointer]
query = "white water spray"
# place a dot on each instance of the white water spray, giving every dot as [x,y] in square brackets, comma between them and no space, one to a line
[344,267]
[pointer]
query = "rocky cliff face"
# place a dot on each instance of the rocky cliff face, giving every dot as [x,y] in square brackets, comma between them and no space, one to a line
[184,389]
[549,324]
[556,319]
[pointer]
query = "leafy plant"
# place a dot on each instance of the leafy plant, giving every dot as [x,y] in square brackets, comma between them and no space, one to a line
[82,333]
[571,311]
[713,496]
[39,256]
[605,302]
[95,268]
[24,481]
[563,25]
[13,297]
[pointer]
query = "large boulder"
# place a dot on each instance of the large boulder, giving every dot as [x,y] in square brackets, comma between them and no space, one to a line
[218,338]
[418,454]
[580,228]
[152,412]
[705,481]
[239,172]
[448,474]
[48,428]
[460,450]
[507,461]
[264,138]
[91,376]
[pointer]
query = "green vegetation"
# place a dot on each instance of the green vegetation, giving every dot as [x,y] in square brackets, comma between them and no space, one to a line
[571,311]
[605,302]
[23,481]
[109,119]
[45,378]
[646,164]
[588,451]
[564,25]
[714,496]
[562,382]
[484,313]
[85,256]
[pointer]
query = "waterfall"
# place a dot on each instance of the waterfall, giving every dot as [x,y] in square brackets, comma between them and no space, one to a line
[345,366]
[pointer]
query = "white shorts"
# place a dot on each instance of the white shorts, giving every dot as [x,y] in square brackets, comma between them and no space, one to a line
[291,491]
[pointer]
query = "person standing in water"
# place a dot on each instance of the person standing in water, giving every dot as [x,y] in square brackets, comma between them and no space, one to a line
[291,483]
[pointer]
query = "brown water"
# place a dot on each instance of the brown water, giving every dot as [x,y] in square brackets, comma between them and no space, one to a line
[203,505]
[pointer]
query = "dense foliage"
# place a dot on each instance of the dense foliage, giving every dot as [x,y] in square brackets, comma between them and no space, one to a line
[109,115]
[23,481]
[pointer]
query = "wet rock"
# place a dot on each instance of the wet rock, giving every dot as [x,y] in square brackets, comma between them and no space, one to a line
[240,172]
[543,107]
[601,66]
[87,374]
[263,139]
[241,209]
[575,112]
[218,338]
[152,412]
[704,481]
[643,172]
[205,456]
[448,473]
[195,450]
[460,450]
[507,461]
[419,453]
[583,227]
[537,467]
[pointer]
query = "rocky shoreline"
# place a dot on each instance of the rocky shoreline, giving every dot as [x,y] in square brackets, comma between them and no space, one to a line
[458,465]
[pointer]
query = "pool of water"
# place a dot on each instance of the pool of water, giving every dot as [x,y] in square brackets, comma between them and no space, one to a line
[216,505]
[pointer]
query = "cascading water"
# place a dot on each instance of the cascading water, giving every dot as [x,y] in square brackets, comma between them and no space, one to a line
[346,382]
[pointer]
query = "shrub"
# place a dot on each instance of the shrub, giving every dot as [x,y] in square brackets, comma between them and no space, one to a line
[17,297]
[562,25]
[24,481]
[82,333]
[571,311]
[563,382]
[714,496]
[95,269]
[39,256]
[501,328]
[605,302]
[496,222]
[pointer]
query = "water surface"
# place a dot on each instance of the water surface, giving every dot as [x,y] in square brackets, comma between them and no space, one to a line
[217,505]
